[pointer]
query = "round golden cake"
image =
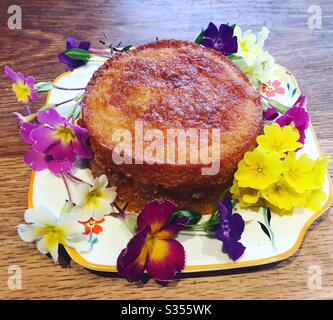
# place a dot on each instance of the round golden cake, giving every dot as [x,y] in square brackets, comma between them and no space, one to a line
[171,84]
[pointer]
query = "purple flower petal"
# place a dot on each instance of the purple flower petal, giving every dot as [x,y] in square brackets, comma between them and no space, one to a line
[234,249]
[270,114]
[62,151]
[43,138]
[236,225]
[165,260]
[211,31]
[12,75]
[57,166]
[207,42]
[225,32]
[51,117]
[80,145]
[157,214]
[84,45]
[71,43]
[71,63]
[35,160]
[25,131]
[132,260]
[230,47]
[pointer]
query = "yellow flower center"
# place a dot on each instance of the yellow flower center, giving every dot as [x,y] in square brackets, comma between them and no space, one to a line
[93,197]
[244,47]
[22,91]
[52,231]
[260,169]
[65,134]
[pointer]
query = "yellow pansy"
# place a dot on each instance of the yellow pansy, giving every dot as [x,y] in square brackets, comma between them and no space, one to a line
[279,139]
[259,169]
[299,172]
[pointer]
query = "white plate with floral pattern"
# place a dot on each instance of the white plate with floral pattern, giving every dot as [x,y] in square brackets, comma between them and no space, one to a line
[267,238]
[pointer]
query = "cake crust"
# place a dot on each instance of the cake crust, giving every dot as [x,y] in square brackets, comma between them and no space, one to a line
[172,84]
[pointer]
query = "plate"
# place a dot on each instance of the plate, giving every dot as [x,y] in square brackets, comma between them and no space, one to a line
[280,237]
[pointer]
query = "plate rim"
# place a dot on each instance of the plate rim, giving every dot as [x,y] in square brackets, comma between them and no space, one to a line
[76,257]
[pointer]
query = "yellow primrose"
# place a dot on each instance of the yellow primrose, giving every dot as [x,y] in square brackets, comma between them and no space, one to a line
[257,63]
[299,172]
[314,199]
[49,231]
[279,139]
[282,196]
[259,169]
[22,91]
[320,170]
[247,197]
[94,201]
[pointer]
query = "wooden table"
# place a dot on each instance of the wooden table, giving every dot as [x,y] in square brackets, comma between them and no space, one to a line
[33,50]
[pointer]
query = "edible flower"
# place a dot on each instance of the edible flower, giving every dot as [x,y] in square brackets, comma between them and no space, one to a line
[59,138]
[72,43]
[22,86]
[153,248]
[273,176]
[253,60]
[230,229]
[297,116]
[258,169]
[279,139]
[270,114]
[94,201]
[55,142]
[221,39]
[49,231]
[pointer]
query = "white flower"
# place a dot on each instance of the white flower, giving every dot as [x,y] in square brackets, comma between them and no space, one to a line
[254,61]
[94,201]
[48,230]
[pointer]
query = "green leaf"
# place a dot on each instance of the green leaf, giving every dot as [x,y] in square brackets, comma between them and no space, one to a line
[233,57]
[126,48]
[193,217]
[278,106]
[199,38]
[264,228]
[79,54]
[233,26]
[76,111]
[94,241]
[130,222]
[43,86]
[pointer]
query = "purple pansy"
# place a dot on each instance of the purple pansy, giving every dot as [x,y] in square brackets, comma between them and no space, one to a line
[230,229]
[55,142]
[153,248]
[72,43]
[298,116]
[270,114]
[22,86]
[222,39]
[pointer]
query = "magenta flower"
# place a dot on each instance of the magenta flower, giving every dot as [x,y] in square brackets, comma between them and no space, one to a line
[22,86]
[222,39]
[230,229]
[298,116]
[72,43]
[153,248]
[54,145]
[270,114]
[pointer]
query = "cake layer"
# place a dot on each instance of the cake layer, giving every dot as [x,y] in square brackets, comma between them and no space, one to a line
[165,85]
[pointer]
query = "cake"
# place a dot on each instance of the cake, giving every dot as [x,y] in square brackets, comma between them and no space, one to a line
[171,84]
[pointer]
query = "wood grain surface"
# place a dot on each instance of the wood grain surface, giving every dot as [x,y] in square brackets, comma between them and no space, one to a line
[33,50]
